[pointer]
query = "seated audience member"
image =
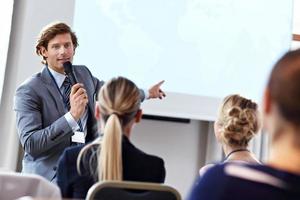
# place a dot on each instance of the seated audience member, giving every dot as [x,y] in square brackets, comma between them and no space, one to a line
[280,177]
[112,156]
[237,123]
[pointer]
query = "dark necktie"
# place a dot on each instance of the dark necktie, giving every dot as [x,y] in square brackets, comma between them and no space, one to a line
[67,91]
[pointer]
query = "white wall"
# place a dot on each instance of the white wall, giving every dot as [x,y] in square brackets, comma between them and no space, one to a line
[181,145]
[296,23]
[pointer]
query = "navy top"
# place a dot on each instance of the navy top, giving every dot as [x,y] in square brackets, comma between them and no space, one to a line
[245,181]
[137,166]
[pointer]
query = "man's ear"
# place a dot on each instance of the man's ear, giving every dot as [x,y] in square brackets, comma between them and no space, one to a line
[44,52]
[138,116]
[97,111]
[267,101]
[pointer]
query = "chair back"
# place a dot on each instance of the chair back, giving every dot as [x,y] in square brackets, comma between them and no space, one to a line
[115,190]
[15,185]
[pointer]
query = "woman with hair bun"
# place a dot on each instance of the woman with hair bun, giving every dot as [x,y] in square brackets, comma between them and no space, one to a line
[111,156]
[237,123]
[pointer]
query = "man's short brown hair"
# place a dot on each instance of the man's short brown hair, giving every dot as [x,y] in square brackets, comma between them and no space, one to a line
[284,86]
[49,32]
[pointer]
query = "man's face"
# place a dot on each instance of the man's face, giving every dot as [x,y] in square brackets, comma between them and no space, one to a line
[60,49]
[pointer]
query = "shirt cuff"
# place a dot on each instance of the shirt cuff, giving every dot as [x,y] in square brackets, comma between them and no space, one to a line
[146,93]
[71,121]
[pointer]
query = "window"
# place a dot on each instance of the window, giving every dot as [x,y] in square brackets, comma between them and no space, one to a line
[6,9]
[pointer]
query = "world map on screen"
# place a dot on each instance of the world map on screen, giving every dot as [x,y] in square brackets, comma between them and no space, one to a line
[203,47]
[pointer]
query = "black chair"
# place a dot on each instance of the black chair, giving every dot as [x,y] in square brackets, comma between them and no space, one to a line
[125,190]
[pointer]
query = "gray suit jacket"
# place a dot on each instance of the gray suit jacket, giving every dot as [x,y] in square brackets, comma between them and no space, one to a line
[43,130]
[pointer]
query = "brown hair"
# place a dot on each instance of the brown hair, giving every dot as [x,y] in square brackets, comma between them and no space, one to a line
[119,101]
[49,32]
[239,120]
[284,86]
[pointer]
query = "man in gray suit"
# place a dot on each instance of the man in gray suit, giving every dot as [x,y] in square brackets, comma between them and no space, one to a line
[50,113]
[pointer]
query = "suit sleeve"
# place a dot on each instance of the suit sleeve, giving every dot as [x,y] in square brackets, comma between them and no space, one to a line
[35,138]
[142,95]
[98,84]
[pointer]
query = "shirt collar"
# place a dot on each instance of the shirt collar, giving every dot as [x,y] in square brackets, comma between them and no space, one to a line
[58,77]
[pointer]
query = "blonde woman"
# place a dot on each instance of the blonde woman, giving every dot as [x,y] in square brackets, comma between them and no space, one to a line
[112,156]
[237,123]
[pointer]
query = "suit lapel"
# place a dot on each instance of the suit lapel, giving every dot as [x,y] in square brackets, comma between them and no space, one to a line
[90,89]
[87,85]
[53,90]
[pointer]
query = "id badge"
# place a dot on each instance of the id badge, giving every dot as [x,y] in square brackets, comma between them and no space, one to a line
[78,137]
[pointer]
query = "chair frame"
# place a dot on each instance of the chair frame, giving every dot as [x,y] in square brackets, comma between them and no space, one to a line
[131,185]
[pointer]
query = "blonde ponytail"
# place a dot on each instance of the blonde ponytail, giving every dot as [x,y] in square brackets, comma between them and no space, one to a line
[110,158]
[119,101]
